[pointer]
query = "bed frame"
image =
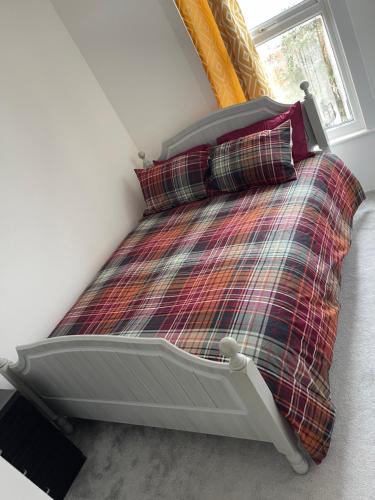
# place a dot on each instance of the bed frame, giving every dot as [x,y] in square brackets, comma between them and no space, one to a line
[150,381]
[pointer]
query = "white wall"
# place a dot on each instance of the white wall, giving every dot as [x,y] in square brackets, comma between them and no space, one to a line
[358,37]
[67,191]
[362,13]
[143,58]
[358,154]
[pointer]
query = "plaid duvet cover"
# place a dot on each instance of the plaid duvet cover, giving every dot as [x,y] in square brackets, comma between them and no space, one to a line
[262,265]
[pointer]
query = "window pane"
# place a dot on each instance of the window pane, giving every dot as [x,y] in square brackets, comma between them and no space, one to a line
[256,13]
[305,53]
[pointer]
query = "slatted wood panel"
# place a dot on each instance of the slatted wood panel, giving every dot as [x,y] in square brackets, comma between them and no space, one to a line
[128,377]
[137,381]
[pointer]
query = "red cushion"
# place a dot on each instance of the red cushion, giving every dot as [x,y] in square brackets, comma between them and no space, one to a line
[201,147]
[294,114]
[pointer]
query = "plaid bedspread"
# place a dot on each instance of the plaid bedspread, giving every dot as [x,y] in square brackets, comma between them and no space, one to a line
[262,266]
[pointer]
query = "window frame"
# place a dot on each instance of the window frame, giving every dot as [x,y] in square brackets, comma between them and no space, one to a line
[297,15]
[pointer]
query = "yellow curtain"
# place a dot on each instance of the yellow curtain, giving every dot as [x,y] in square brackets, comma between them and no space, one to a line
[228,54]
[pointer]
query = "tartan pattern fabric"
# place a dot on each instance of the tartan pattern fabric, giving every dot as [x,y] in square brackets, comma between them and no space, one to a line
[262,265]
[174,182]
[254,160]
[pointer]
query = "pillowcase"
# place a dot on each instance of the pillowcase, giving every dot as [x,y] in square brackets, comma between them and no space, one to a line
[174,182]
[255,160]
[294,114]
[201,147]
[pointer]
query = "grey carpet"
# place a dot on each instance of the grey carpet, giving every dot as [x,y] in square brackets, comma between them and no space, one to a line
[135,463]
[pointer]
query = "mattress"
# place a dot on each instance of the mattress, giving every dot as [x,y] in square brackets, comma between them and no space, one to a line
[261,265]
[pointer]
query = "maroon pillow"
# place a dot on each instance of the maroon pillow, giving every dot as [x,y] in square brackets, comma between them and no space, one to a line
[201,147]
[294,114]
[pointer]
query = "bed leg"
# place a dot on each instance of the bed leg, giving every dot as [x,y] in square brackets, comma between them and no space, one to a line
[280,433]
[64,424]
[60,421]
[298,463]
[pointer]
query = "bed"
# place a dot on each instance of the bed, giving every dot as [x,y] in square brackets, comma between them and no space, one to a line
[250,277]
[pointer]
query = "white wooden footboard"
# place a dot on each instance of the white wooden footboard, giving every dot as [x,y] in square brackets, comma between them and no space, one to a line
[151,382]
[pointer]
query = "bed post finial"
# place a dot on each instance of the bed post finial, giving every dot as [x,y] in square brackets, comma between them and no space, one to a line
[311,109]
[142,156]
[230,348]
[305,87]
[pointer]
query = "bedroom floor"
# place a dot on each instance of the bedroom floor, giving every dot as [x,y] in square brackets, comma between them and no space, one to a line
[135,463]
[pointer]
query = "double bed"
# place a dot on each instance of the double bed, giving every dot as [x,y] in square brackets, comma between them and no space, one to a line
[252,276]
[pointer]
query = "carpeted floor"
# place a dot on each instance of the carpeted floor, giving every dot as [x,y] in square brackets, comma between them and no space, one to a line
[135,463]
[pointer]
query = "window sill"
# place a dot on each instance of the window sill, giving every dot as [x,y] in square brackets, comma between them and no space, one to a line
[349,137]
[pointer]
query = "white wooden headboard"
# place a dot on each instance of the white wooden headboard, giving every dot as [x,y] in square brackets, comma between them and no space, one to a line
[208,129]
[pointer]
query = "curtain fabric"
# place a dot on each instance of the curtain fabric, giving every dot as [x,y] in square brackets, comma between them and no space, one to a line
[219,33]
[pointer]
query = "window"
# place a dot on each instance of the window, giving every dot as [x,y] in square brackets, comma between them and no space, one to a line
[297,40]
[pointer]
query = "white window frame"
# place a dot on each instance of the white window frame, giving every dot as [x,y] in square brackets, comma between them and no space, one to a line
[299,14]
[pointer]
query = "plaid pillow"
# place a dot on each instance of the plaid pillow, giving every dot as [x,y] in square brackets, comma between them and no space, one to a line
[174,182]
[254,160]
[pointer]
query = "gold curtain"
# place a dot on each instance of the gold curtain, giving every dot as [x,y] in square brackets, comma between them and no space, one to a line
[227,52]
